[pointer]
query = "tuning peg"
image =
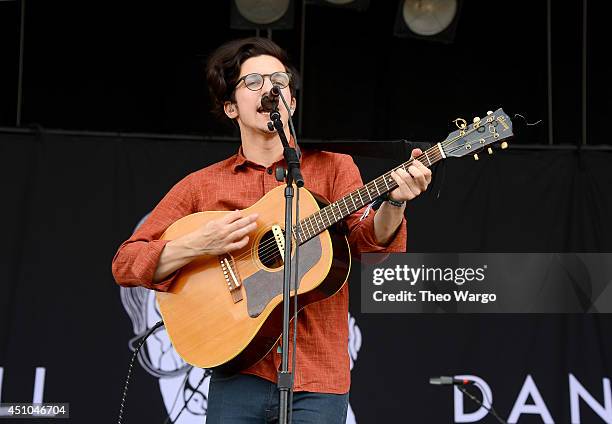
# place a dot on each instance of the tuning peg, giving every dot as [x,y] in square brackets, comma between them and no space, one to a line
[460,123]
[504,145]
[490,151]
[476,119]
[475,156]
[489,112]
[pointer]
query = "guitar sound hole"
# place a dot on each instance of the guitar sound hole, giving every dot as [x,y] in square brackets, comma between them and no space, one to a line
[268,252]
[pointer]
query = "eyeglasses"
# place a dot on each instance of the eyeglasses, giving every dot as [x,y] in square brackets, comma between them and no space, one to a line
[255,81]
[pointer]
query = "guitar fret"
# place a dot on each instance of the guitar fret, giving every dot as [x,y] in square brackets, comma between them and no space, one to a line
[312,224]
[294,232]
[353,200]
[359,193]
[375,188]
[332,211]
[434,155]
[427,157]
[345,205]
[327,216]
[387,184]
[320,218]
[368,191]
[320,225]
[307,229]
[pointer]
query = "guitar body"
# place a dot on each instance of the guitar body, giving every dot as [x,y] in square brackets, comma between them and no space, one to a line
[231,318]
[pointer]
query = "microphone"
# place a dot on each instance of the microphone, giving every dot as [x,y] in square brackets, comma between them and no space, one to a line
[449,381]
[269,101]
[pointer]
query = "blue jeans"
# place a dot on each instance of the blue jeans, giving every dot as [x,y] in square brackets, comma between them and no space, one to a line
[243,398]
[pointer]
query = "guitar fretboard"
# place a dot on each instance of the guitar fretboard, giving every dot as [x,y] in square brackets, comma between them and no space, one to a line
[319,221]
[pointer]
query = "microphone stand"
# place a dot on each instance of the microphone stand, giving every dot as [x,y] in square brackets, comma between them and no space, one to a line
[285,378]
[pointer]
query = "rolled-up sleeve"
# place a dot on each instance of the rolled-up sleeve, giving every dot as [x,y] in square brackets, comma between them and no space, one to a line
[136,260]
[362,238]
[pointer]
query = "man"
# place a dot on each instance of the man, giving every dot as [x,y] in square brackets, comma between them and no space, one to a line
[239,73]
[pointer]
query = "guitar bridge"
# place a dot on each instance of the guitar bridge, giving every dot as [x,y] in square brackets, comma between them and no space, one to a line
[279,239]
[231,276]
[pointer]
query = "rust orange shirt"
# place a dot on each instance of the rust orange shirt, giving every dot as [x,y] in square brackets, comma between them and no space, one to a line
[236,183]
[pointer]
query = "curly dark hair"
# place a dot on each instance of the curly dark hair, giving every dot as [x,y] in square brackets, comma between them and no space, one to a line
[223,68]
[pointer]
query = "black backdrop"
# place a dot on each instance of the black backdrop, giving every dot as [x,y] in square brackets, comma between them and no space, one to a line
[68,201]
[123,66]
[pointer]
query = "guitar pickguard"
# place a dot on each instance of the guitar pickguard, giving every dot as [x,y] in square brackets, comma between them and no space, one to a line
[264,285]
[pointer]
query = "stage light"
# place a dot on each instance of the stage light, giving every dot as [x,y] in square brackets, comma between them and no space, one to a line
[434,20]
[262,14]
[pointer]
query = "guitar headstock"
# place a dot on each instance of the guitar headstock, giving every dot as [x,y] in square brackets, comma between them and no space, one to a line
[469,139]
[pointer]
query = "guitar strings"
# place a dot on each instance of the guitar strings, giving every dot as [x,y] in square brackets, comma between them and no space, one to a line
[269,250]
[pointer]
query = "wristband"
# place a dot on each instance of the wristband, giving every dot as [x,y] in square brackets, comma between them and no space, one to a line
[395,202]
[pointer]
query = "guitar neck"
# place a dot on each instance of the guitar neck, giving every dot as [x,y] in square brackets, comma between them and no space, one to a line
[319,221]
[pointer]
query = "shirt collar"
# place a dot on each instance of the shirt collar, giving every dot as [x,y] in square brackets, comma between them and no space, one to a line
[241,160]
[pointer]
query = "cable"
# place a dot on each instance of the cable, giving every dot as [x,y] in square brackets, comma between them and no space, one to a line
[478,402]
[129,374]
[206,374]
[178,392]
[291,128]
[529,124]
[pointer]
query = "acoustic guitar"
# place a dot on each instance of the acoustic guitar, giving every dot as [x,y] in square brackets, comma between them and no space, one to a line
[226,311]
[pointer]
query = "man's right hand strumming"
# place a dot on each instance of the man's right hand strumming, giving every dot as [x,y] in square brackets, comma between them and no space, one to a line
[216,237]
